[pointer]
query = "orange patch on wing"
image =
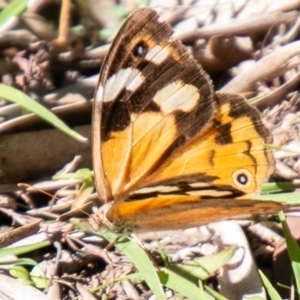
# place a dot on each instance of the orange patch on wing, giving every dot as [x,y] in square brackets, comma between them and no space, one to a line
[130,155]
[204,155]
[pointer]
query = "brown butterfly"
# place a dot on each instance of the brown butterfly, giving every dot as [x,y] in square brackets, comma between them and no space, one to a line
[168,151]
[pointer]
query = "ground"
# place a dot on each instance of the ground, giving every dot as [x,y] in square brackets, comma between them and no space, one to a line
[246,47]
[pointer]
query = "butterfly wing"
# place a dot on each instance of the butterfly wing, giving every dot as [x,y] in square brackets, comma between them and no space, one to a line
[165,212]
[231,154]
[214,176]
[151,99]
[157,121]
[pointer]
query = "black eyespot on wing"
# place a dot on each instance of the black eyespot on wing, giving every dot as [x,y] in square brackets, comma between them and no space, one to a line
[140,50]
[242,179]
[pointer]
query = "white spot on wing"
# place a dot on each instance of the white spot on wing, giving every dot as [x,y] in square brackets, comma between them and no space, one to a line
[136,82]
[210,193]
[157,54]
[177,96]
[199,184]
[157,189]
[128,78]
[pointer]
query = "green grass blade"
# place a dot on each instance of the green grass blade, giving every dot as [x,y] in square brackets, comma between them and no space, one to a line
[25,261]
[16,96]
[276,187]
[15,8]
[215,294]
[269,287]
[287,198]
[140,260]
[293,250]
[21,273]
[205,266]
[181,285]
[23,249]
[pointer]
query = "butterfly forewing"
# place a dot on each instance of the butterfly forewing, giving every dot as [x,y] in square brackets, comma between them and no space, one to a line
[151,99]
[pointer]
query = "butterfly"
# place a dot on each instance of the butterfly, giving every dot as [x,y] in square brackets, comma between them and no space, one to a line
[168,151]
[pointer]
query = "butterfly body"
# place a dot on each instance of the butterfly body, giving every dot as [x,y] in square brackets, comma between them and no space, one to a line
[158,122]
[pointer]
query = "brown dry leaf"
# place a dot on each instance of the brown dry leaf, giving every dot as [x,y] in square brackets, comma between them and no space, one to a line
[19,233]
[31,155]
[11,288]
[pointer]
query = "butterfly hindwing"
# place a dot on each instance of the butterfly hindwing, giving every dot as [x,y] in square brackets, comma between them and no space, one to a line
[214,176]
[231,153]
[165,212]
